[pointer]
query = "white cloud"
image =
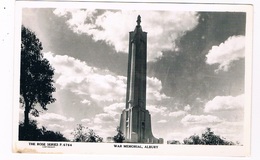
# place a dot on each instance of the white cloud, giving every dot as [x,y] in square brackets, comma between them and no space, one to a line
[220,103]
[106,87]
[177,114]
[85,101]
[81,79]
[232,131]
[179,136]
[55,127]
[180,113]
[54,117]
[97,86]
[100,85]
[110,115]
[231,50]
[114,109]
[187,108]
[54,121]
[86,120]
[69,69]
[162,121]
[67,133]
[114,27]
[197,129]
[77,18]
[105,123]
[103,118]
[153,91]
[153,109]
[200,119]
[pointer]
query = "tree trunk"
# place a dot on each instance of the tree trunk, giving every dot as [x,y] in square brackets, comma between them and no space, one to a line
[26,114]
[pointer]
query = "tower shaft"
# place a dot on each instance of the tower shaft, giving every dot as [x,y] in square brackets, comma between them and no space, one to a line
[136,75]
[135,122]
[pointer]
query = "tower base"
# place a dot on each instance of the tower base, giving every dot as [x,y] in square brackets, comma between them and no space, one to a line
[135,124]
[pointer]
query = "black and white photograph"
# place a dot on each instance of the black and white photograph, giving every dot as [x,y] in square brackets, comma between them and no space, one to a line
[147,77]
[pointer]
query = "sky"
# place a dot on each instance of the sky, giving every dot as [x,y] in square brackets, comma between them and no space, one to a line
[195,70]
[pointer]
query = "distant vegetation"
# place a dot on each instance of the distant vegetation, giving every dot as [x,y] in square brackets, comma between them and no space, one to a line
[119,137]
[84,134]
[33,133]
[206,138]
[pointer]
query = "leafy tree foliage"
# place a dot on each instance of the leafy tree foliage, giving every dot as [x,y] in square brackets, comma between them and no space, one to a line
[36,79]
[194,139]
[119,138]
[33,133]
[207,138]
[173,142]
[84,134]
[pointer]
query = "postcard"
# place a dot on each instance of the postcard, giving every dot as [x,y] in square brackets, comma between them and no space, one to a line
[132,78]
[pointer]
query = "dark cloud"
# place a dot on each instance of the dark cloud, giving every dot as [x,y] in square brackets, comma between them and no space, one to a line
[58,38]
[184,73]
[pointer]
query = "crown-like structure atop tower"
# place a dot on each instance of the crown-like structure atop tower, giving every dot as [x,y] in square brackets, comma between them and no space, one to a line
[138,20]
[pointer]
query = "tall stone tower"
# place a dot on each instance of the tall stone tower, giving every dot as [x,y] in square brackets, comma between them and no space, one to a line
[135,122]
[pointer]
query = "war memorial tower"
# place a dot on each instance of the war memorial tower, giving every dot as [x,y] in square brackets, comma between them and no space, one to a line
[135,122]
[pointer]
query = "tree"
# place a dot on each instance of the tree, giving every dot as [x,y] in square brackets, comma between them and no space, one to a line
[119,138]
[84,134]
[36,79]
[207,138]
[33,133]
[173,142]
[194,139]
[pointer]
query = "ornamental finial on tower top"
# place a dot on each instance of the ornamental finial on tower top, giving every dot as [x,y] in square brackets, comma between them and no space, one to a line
[138,20]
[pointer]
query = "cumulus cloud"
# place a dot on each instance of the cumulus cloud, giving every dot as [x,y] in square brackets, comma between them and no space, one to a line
[86,120]
[153,109]
[114,26]
[85,101]
[177,114]
[105,123]
[220,103]
[100,85]
[81,79]
[77,18]
[180,136]
[200,119]
[154,87]
[53,121]
[187,108]
[162,121]
[69,69]
[231,50]
[96,86]
[67,133]
[110,115]
[114,109]
[55,127]
[103,118]
[197,129]
[54,117]
[180,113]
